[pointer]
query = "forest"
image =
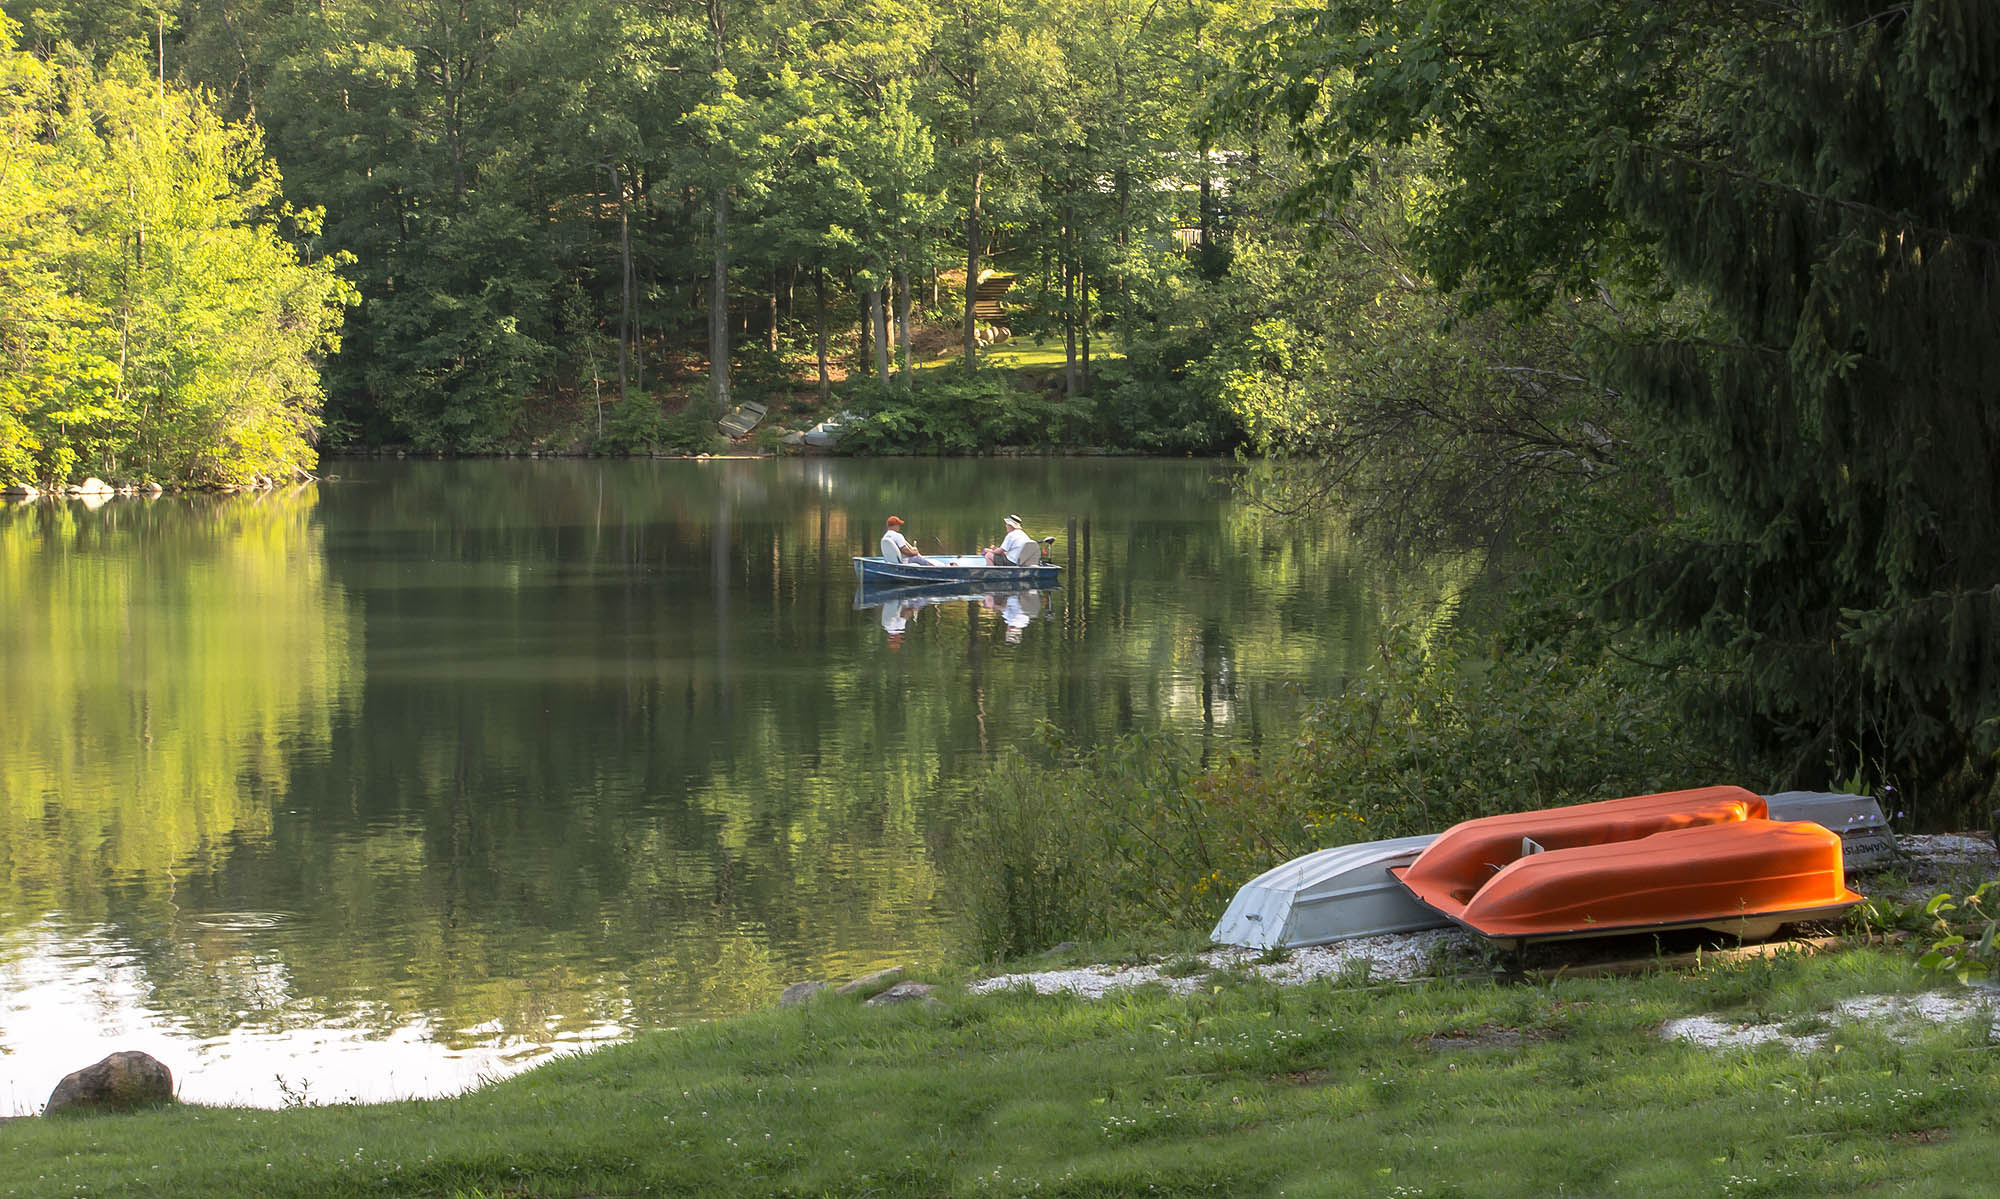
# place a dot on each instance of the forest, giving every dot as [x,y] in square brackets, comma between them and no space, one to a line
[562,223]
[1691,310]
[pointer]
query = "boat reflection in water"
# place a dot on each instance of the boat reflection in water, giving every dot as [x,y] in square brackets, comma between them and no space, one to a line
[1017,604]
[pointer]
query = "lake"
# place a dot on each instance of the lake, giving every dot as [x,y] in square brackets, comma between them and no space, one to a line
[386,786]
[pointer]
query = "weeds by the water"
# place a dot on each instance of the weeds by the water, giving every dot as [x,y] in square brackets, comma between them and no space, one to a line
[1243,1088]
[1147,832]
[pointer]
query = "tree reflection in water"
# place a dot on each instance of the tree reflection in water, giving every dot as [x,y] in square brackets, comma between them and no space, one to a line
[481,759]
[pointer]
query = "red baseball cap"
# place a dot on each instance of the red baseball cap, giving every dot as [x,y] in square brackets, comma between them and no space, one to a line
[895,520]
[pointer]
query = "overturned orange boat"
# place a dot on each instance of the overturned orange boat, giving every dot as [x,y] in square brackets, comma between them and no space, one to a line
[1707,858]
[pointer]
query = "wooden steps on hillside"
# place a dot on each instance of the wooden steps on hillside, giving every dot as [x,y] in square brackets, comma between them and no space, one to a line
[986,301]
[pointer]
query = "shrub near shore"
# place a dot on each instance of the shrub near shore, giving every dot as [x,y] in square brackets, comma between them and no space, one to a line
[1240,1089]
[1139,835]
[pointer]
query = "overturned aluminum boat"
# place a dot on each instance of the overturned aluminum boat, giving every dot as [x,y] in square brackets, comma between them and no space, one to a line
[1707,858]
[1329,895]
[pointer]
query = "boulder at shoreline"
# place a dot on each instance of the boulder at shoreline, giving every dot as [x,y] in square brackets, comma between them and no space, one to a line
[122,1081]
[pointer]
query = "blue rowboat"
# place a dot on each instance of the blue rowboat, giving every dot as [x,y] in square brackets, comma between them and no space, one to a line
[954,568]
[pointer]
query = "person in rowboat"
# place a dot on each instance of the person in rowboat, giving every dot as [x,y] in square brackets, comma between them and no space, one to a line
[1008,552]
[897,548]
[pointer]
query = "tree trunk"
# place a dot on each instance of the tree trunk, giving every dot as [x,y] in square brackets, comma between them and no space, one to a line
[624,279]
[1120,310]
[1083,316]
[972,272]
[903,322]
[640,188]
[867,339]
[879,318]
[1043,275]
[772,342]
[972,225]
[820,339]
[1205,251]
[1069,319]
[718,310]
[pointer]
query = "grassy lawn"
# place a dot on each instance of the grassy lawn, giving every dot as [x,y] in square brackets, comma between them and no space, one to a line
[1037,353]
[1449,1089]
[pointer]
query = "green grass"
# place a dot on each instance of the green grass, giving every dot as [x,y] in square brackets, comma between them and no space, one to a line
[1024,353]
[1465,1089]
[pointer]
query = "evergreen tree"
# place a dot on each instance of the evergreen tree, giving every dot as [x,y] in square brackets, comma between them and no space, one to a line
[1790,215]
[1829,424]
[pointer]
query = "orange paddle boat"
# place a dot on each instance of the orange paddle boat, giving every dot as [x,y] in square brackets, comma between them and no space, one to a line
[1707,858]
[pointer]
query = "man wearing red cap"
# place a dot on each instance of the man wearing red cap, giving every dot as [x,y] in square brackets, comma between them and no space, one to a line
[897,548]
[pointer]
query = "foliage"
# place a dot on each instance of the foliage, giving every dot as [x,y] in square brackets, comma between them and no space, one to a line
[640,425]
[1437,735]
[521,185]
[1026,882]
[1827,427]
[1956,934]
[158,326]
[1428,428]
[956,414]
[1154,405]
[1967,950]
[1525,104]
[1788,220]
[1430,735]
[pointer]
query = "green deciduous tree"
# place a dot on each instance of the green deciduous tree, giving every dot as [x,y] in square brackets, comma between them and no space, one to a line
[155,323]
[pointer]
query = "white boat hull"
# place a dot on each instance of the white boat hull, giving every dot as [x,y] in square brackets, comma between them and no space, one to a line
[1330,895]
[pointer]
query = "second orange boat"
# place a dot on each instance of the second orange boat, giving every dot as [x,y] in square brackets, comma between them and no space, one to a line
[1705,858]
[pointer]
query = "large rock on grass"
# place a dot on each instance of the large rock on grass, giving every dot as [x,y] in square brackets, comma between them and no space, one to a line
[868,984]
[798,993]
[121,1082]
[905,992]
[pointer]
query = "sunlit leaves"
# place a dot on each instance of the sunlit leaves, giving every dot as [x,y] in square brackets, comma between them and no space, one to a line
[154,322]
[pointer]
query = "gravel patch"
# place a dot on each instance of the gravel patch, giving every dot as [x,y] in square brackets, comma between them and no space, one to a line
[1897,1015]
[1925,865]
[1395,958]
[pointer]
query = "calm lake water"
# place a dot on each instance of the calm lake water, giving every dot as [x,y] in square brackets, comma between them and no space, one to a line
[386,786]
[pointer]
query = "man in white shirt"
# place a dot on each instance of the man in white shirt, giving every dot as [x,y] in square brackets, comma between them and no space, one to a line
[1009,549]
[897,548]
